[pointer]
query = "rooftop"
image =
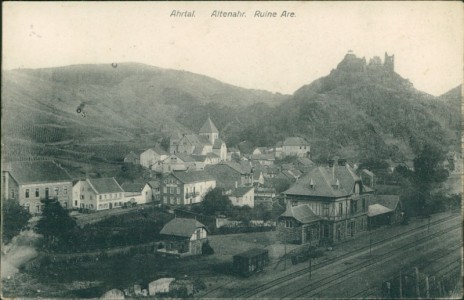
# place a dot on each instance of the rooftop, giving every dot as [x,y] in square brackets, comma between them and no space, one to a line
[302,213]
[241,191]
[208,127]
[225,175]
[135,187]
[181,227]
[192,176]
[36,172]
[337,181]
[105,185]
[295,141]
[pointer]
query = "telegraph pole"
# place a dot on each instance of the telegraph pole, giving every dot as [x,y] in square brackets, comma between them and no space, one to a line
[370,243]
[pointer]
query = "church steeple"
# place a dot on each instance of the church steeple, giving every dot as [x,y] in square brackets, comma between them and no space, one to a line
[209,130]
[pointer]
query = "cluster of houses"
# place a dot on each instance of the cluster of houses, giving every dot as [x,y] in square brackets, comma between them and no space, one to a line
[323,203]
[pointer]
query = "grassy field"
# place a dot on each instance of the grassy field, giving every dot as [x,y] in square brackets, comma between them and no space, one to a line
[93,278]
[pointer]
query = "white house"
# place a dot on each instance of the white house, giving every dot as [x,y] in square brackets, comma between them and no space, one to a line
[159,286]
[296,146]
[186,187]
[242,196]
[140,193]
[151,156]
[97,194]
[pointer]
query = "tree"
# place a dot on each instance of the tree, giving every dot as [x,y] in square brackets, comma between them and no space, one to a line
[214,202]
[57,227]
[14,217]
[425,193]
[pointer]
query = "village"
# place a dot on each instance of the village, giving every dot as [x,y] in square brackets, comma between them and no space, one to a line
[199,189]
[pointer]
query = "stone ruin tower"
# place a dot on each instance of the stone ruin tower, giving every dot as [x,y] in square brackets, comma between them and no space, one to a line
[389,62]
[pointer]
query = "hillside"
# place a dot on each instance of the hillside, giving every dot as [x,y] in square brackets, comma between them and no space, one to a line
[129,104]
[363,110]
[97,113]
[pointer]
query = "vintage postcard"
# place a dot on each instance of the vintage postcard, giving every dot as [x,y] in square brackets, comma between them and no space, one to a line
[231,150]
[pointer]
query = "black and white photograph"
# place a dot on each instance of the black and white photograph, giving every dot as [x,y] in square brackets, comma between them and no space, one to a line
[232,150]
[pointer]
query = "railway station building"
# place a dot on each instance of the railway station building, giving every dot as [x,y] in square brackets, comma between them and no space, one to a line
[336,195]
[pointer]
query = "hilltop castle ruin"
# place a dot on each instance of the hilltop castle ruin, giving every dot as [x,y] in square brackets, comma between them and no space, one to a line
[351,63]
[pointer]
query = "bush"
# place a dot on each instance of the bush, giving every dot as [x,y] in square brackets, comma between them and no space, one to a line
[206,249]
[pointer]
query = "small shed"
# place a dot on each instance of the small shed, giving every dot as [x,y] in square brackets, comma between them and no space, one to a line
[251,261]
[386,210]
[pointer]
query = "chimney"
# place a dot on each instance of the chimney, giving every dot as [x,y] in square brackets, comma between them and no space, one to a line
[311,183]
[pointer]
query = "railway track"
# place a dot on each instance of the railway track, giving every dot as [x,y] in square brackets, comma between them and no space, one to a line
[374,292]
[315,287]
[303,272]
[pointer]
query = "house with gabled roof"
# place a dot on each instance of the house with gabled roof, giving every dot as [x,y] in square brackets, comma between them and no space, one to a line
[150,156]
[337,195]
[183,237]
[181,188]
[132,158]
[385,210]
[137,192]
[296,146]
[243,196]
[298,225]
[98,194]
[230,174]
[31,182]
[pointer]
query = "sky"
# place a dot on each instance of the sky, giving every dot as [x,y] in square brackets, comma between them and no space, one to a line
[277,54]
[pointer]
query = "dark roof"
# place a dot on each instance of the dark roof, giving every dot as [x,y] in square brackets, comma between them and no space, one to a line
[265,156]
[212,155]
[208,127]
[153,183]
[225,175]
[305,161]
[181,227]
[243,167]
[252,253]
[36,172]
[324,180]
[302,213]
[135,187]
[241,191]
[200,158]
[185,157]
[192,176]
[295,141]
[389,201]
[105,185]
[217,144]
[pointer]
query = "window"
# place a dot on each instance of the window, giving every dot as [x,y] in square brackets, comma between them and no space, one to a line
[171,190]
[12,193]
[356,189]
[99,197]
[46,192]
[288,224]
[65,190]
[340,208]
[75,202]
[56,189]
[165,189]
[178,190]
[178,200]
[364,204]
[27,193]
[165,200]
[325,208]
[82,197]
[172,200]
[37,192]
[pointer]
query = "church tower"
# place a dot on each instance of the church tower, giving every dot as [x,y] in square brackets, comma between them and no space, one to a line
[209,130]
